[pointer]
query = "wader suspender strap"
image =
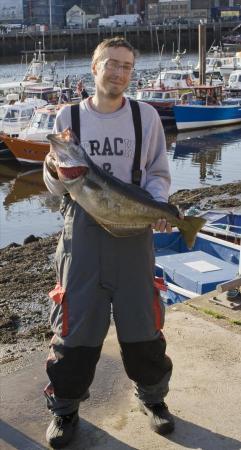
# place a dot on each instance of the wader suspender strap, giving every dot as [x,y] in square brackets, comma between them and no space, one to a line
[136,171]
[135,109]
[75,119]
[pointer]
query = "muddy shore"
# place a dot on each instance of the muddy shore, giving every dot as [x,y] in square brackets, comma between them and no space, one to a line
[27,274]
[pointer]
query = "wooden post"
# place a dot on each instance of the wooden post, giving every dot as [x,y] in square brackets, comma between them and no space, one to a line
[202,52]
[24,45]
[189,36]
[164,35]
[151,35]
[86,43]
[138,36]
[239,270]
[157,41]
[72,41]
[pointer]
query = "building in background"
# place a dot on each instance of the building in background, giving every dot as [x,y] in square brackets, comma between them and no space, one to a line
[200,10]
[44,12]
[89,6]
[167,11]
[78,18]
[53,12]
[11,11]
[224,10]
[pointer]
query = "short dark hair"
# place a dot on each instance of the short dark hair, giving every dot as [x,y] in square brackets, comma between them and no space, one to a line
[112,42]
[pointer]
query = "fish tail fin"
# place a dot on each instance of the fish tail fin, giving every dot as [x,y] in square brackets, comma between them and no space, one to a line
[193,226]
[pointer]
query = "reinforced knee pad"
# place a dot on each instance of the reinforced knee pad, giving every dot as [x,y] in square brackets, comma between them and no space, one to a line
[71,369]
[146,362]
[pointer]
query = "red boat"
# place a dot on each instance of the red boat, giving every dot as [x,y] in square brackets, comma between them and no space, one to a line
[31,145]
[26,151]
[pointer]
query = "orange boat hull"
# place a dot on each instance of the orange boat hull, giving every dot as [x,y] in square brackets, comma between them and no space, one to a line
[25,151]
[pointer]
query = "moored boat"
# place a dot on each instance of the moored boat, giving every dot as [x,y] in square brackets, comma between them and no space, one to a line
[25,150]
[207,108]
[221,59]
[223,223]
[190,273]
[37,72]
[31,146]
[162,100]
[15,117]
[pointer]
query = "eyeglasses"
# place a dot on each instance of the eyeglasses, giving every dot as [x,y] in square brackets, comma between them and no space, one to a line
[113,66]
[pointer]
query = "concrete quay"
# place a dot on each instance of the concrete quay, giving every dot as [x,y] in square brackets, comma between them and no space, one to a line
[205,391]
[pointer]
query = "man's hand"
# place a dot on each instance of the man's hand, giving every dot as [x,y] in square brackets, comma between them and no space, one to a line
[162,225]
[52,164]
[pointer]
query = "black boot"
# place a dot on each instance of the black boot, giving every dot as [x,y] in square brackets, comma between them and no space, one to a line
[60,430]
[161,420]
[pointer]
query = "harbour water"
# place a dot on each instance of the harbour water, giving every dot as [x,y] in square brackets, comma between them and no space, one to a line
[197,158]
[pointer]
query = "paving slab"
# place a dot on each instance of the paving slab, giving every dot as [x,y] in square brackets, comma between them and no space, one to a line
[205,395]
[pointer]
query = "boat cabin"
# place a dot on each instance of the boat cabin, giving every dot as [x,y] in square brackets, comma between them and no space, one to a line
[41,124]
[157,95]
[213,78]
[12,87]
[234,81]
[13,118]
[204,95]
[36,71]
[174,78]
[52,95]
[208,93]
[225,61]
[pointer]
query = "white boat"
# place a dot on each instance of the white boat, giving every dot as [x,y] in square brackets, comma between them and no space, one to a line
[224,61]
[15,117]
[213,77]
[31,146]
[174,78]
[234,81]
[41,124]
[37,72]
[49,94]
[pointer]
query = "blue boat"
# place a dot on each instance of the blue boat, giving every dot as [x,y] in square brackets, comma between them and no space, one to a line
[190,273]
[223,223]
[206,108]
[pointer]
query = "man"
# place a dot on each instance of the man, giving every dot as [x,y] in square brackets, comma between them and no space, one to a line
[96,271]
[81,91]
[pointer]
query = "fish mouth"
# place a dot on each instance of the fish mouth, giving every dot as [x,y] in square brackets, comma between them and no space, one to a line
[71,173]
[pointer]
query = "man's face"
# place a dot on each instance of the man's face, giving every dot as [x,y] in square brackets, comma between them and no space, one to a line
[113,71]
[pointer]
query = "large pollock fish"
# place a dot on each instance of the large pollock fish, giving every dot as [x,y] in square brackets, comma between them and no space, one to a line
[120,208]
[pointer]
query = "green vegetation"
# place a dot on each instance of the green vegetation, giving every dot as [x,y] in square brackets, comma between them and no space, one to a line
[215,314]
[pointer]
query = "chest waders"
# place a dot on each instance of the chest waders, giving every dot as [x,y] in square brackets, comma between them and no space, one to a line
[98,274]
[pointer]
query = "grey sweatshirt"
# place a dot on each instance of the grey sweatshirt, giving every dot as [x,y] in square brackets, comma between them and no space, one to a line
[109,140]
